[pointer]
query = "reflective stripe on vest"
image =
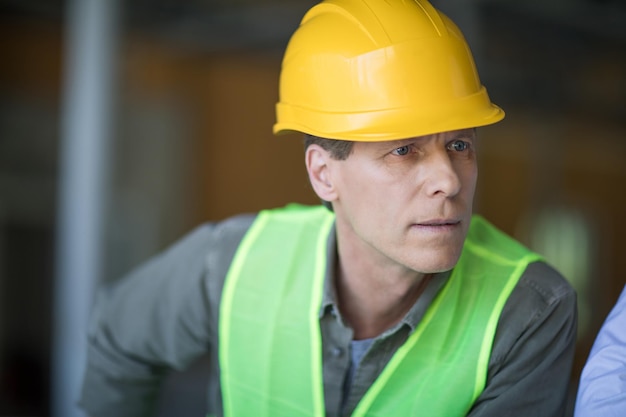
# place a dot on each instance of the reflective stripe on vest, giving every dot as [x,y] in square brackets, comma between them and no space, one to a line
[270,348]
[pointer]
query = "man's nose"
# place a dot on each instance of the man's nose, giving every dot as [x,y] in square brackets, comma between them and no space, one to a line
[442,177]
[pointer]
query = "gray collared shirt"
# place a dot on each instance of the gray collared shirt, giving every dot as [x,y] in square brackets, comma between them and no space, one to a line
[164,316]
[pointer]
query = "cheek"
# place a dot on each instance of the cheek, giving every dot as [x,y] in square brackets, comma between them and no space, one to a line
[468,173]
[367,199]
[359,182]
[472,179]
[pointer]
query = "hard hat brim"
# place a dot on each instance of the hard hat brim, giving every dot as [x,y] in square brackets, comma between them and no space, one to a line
[390,124]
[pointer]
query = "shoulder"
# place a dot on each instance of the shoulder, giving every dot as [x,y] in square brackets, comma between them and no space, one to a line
[235,226]
[541,305]
[531,358]
[225,231]
[541,286]
[212,237]
[224,240]
[206,248]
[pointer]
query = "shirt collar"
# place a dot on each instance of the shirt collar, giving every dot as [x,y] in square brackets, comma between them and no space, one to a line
[329,296]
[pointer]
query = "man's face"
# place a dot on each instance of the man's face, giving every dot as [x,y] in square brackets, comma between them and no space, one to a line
[407,203]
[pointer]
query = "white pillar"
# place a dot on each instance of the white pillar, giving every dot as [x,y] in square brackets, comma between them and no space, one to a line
[90,40]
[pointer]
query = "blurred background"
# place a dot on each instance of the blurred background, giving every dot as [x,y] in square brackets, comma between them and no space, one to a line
[126,123]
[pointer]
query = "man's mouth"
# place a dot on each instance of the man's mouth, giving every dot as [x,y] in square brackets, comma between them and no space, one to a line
[439,223]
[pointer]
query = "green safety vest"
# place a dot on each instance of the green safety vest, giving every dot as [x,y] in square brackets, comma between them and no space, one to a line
[270,347]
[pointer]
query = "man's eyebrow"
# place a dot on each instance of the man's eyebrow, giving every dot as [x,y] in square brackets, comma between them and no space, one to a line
[469,133]
[394,143]
[401,142]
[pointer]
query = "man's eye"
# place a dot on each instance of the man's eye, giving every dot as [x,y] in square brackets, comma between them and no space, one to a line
[402,150]
[458,146]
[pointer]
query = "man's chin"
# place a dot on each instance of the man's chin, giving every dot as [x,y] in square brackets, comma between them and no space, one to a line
[437,262]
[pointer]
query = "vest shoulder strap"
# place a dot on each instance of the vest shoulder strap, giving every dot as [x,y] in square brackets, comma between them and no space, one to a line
[270,342]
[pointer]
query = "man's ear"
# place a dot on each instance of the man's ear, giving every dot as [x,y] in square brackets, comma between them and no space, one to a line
[318,165]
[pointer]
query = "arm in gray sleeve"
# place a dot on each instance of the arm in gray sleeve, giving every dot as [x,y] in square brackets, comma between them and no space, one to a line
[530,367]
[161,316]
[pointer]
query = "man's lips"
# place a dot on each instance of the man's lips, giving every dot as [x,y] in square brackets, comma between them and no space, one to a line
[437,226]
[438,223]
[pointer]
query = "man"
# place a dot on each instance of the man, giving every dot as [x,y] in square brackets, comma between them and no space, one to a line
[396,303]
[602,390]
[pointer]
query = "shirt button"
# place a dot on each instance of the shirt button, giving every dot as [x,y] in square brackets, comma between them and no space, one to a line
[336,352]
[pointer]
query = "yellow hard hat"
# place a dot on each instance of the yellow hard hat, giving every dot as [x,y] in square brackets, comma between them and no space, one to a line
[373,70]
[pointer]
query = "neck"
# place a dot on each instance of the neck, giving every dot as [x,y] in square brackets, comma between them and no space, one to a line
[373,297]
